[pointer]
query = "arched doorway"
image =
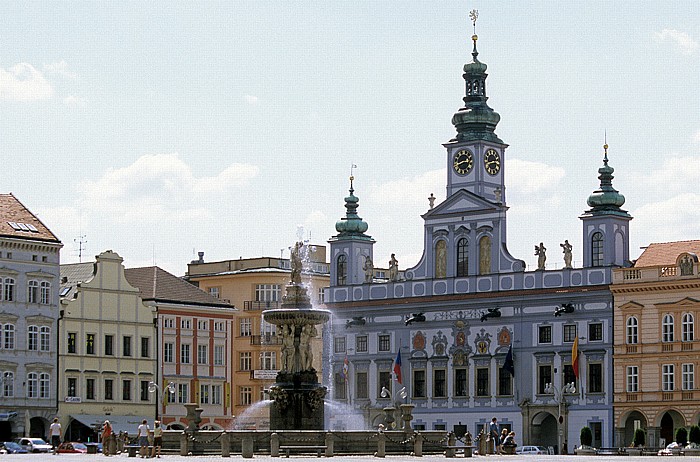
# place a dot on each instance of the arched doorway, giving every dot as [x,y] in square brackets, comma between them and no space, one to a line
[37,427]
[544,431]
[670,421]
[634,420]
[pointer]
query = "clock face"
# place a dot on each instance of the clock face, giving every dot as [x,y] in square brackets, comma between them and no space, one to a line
[463,161]
[492,162]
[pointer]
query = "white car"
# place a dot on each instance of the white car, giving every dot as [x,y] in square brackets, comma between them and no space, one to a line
[34,444]
[533,450]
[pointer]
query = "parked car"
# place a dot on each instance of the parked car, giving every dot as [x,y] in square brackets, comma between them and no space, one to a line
[531,450]
[34,444]
[10,447]
[72,448]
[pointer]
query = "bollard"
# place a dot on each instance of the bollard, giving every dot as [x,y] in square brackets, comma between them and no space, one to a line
[225,445]
[247,447]
[418,445]
[381,445]
[329,444]
[183,444]
[275,445]
[451,441]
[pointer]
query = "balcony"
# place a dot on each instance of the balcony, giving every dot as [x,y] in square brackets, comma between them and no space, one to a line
[267,339]
[251,305]
[652,274]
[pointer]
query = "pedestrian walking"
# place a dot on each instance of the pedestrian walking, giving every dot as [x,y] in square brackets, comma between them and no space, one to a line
[107,438]
[157,438]
[55,434]
[143,433]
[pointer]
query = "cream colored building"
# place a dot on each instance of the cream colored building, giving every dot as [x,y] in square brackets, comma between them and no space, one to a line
[656,351]
[107,350]
[254,285]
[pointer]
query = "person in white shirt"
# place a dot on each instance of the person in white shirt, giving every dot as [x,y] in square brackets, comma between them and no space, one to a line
[143,438]
[55,434]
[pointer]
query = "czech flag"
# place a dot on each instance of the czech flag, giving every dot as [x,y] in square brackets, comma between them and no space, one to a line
[397,366]
[574,357]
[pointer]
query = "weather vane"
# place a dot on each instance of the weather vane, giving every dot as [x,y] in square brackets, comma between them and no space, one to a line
[473,15]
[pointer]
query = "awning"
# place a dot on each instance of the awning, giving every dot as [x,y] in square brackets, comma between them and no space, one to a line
[5,416]
[120,423]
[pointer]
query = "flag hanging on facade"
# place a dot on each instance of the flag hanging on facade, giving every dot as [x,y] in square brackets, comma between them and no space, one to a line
[574,357]
[508,364]
[346,367]
[397,367]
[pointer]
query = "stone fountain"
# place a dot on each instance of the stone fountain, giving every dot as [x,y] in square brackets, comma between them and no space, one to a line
[297,396]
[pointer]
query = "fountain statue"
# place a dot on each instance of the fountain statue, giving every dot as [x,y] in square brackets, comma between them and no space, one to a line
[297,395]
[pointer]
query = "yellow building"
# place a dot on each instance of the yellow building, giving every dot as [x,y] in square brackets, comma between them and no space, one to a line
[655,349]
[107,350]
[254,285]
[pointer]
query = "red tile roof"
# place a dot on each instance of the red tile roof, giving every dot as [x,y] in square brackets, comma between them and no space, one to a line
[666,253]
[13,211]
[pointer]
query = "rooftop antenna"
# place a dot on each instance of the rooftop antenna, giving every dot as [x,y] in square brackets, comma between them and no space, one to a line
[81,241]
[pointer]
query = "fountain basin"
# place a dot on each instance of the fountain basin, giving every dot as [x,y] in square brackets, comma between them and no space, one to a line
[297,317]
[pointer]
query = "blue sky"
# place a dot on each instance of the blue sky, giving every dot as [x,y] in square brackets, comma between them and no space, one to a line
[159,129]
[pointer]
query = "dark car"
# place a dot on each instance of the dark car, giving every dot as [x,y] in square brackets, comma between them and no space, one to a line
[8,447]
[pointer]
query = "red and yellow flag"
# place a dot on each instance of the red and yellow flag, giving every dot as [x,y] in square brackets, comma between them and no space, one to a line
[574,357]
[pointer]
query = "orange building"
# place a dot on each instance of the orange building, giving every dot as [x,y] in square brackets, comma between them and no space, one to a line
[655,349]
[254,285]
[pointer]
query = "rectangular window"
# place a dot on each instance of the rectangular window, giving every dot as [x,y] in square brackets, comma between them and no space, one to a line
[595,378]
[569,333]
[461,382]
[202,325]
[218,355]
[419,390]
[544,377]
[340,387]
[126,390]
[185,353]
[202,354]
[90,344]
[204,394]
[169,323]
[144,390]
[33,338]
[632,379]
[109,345]
[384,381]
[216,394]
[569,375]
[168,352]
[183,393]
[361,344]
[384,342]
[545,334]
[339,345]
[439,383]
[595,332]
[71,342]
[215,292]
[89,388]
[245,325]
[482,381]
[268,360]
[109,389]
[145,347]
[219,326]
[245,396]
[505,383]
[72,390]
[45,339]
[126,347]
[267,292]
[362,391]
[186,324]
[245,360]
[688,376]
[667,372]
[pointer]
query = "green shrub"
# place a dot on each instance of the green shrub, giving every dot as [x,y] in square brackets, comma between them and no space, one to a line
[694,434]
[586,436]
[639,437]
[682,436]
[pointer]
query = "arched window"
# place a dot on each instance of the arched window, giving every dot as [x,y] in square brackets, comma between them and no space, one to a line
[45,293]
[33,292]
[32,385]
[8,342]
[45,338]
[342,270]
[8,289]
[462,258]
[44,385]
[632,330]
[441,259]
[485,255]
[8,384]
[597,251]
[667,328]
[33,338]
[688,327]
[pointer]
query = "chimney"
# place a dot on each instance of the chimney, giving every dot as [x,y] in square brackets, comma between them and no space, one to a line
[201,257]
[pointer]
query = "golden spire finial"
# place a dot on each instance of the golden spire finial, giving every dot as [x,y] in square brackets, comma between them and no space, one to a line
[473,15]
[605,147]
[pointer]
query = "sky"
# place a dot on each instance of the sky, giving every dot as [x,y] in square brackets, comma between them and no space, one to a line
[161,129]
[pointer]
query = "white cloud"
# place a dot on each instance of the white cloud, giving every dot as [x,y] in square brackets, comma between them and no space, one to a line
[696,137]
[250,99]
[409,191]
[74,101]
[684,42]
[673,219]
[23,82]
[60,68]
[675,175]
[525,177]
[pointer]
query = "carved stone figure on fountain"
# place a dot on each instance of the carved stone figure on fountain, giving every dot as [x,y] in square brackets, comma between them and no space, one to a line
[287,347]
[306,356]
[296,263]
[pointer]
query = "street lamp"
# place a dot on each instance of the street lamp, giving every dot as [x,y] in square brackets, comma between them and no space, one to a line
[559,397]
[154,388]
